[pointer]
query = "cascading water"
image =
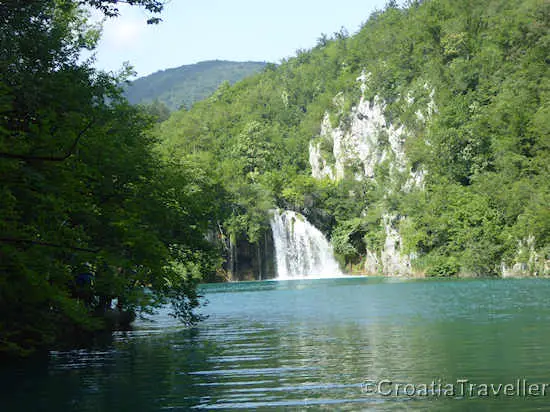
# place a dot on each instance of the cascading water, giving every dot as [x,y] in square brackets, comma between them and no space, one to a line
[301,250]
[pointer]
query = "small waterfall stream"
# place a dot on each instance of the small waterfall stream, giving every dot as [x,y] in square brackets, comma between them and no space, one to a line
[301,250]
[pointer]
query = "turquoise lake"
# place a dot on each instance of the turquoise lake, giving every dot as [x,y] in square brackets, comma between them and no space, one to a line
[332,344]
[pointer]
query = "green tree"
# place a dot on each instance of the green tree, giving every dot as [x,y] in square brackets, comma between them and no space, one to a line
[89,211]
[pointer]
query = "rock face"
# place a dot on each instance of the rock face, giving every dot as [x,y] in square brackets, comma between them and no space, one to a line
[390,260]
[367,142]
[363,141]
[527,262]
[247,261]
[393,261]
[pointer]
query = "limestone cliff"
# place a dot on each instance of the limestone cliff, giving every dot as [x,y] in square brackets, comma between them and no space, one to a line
[527,261]
[363,141]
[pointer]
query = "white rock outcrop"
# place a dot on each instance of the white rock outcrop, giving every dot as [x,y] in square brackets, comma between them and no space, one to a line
[367,142]
[528,262]
[362,141]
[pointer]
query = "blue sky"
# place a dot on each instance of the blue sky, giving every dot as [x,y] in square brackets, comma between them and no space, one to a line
[239,30]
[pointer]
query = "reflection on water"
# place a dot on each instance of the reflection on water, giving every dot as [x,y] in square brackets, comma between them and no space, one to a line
[299,344]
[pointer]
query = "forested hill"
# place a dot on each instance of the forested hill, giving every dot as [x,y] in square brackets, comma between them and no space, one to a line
[420,145]
[185,85]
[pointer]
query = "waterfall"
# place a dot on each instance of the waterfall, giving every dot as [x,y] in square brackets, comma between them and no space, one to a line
[301,250]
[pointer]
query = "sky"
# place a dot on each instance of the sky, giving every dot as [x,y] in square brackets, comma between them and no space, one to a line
[239,30]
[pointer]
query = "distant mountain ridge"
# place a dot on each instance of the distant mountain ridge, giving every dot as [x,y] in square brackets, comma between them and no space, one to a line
[185,85]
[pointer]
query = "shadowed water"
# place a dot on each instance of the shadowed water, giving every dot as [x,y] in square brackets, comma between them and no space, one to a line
[310,344]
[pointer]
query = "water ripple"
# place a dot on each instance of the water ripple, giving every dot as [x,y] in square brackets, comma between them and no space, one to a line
[279,346]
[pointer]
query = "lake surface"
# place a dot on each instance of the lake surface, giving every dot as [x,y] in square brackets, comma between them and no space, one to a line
[332,344]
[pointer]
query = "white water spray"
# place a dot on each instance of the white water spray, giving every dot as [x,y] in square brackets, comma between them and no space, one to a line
[301,250]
